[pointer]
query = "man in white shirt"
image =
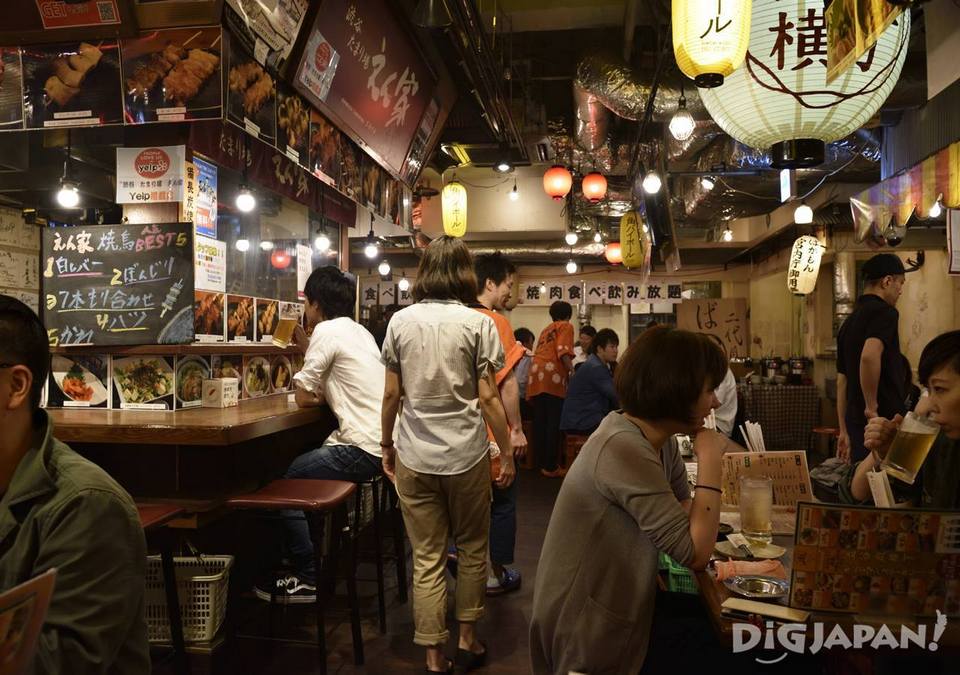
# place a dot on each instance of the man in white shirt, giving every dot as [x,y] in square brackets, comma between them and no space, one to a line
[582,348]
[341,369]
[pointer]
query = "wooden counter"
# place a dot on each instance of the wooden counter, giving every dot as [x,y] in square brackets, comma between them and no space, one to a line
[198,426]
[197,454]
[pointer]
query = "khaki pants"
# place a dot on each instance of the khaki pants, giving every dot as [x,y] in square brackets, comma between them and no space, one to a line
[434,508]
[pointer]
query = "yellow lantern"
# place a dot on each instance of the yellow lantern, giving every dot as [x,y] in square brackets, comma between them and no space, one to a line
[453,201]
[804,265]
[710,38]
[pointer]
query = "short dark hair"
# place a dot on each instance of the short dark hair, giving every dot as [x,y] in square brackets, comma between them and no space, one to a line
[446,272]
[329,288]
[493,266]
[588,330]
[604,337]
[524,335]
[665,370]
[943,350]
[561,311]
[24,342]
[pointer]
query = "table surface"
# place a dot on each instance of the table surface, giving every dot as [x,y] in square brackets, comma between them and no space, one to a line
[199,426]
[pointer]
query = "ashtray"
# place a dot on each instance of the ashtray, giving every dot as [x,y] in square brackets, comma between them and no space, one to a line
[757,586]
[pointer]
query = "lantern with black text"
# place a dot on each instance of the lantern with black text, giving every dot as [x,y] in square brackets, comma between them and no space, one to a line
[557,182]
[634,242]
[710,38]
[779,98]
[594,186]
[804,265]
[453,203]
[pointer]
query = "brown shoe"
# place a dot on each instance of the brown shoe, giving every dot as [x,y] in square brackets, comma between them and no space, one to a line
[559,472]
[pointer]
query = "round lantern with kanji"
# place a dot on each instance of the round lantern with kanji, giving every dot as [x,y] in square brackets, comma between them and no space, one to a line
[780,100]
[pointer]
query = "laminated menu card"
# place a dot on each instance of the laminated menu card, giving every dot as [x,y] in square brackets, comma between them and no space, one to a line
[862,559]
[788,469]
[143,382]
[191,372]
[79,381]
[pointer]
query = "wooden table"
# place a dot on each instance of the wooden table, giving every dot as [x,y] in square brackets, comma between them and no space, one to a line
[203,453]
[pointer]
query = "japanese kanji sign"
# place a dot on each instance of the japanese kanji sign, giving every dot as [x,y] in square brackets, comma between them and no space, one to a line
[604,293]
[147,175]
[388,293]
[370,293]
[362,70]
[655,290]
[724,318]
[118,284]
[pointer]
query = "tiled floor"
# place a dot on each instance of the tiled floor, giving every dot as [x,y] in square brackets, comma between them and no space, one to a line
[504,629]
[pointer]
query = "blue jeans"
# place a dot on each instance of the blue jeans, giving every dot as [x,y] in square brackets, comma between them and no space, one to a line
[503,524]
[328,462]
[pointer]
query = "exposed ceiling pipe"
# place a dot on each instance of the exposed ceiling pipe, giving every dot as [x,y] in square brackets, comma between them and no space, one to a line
[471,42]
[539,251]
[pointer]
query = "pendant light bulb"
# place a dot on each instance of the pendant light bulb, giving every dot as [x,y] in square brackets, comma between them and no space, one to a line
[514,194]
[242,245]
[571,267]
[652,183]
[383,268]
[322,243]
[570,238]
[543,288]
[68,197]
[597,237]
[682,125]
[266,245]
[245,201]
[936,209]
[707,183]
[371,250]
[727,235]
[404,284]
[803,215]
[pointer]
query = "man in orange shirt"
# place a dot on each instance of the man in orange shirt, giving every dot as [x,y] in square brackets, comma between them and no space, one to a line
[495,279]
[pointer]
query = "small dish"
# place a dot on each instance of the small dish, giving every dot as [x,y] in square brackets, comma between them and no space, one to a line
[757,587]
[760,551]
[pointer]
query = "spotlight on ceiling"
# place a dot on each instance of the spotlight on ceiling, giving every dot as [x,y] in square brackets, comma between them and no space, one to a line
[803,215]
[652,183]
[245,201]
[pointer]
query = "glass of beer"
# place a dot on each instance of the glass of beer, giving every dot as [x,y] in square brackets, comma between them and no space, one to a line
[756,509]
[910,447]
[290,314]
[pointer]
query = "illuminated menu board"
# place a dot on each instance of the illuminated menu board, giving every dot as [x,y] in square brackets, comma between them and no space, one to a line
[118,284]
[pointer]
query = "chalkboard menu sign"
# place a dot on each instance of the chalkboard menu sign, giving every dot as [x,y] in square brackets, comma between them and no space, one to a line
[118,284]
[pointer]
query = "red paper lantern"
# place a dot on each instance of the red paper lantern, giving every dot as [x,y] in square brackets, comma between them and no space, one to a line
[557,182]
[613,253]
[594,186]
[280,259]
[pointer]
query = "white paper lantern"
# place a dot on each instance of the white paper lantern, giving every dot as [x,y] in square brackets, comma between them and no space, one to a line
[779,98]
[804,265]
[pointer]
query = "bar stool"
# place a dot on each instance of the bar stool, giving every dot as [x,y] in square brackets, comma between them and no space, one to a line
[317,499]
[153,518]
[831,434]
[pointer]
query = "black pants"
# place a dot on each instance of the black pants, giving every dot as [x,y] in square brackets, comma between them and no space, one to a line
[547,409]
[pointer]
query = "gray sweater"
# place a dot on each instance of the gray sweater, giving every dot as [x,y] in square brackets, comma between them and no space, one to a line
[596,581]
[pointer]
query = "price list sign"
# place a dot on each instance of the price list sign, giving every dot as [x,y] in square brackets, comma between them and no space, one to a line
[118,284]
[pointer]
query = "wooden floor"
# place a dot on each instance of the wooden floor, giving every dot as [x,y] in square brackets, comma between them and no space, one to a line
[504,628]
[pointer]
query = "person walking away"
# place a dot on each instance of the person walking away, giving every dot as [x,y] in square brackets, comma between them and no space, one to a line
[870,378]
[441,361]
[591,395]
[547,386]
[342,369]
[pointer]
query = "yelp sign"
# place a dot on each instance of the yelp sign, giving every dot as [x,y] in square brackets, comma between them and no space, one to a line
[152,163]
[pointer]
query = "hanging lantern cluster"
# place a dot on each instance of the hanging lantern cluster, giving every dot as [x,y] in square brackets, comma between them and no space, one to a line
[779,98]
[594,187]
[453,204]
[710,38]
[557,182]
[804,265]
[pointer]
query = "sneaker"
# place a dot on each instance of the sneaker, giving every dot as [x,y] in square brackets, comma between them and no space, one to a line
[291,590]
[510,581]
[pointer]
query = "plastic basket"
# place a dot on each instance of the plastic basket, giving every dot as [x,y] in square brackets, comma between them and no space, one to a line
[679,578]
[202,585]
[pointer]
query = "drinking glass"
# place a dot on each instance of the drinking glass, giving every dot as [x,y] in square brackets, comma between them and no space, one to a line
[290,314]
[756,509]
[910,447]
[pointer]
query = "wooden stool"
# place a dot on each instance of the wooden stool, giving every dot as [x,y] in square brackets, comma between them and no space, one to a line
[317,499]
[153,517]
[831,433]
[571,447]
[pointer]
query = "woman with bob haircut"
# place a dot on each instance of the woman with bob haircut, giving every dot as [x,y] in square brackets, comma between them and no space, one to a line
[596,584]
[441,358]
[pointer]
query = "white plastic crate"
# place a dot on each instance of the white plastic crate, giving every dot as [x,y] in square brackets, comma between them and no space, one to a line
[202,585]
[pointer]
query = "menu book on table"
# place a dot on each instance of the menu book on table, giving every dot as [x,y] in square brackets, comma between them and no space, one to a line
[788,469]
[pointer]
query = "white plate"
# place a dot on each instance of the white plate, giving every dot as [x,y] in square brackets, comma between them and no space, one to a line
[205,375]
[61,366]
[266,368]
[158,363]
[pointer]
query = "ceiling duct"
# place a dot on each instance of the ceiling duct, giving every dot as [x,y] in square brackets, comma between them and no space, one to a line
[545,251]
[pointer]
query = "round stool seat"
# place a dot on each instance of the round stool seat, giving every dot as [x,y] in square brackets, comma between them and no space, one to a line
[826,431]
[301,494]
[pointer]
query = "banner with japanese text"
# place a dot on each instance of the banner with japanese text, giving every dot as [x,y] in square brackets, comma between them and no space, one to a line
[546,293]
[604,293]
[655,290]
[726,319]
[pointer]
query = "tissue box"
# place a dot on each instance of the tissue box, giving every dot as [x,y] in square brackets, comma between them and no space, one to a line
[222,392]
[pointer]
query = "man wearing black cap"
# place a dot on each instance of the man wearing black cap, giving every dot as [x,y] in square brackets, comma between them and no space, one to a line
[870,377]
